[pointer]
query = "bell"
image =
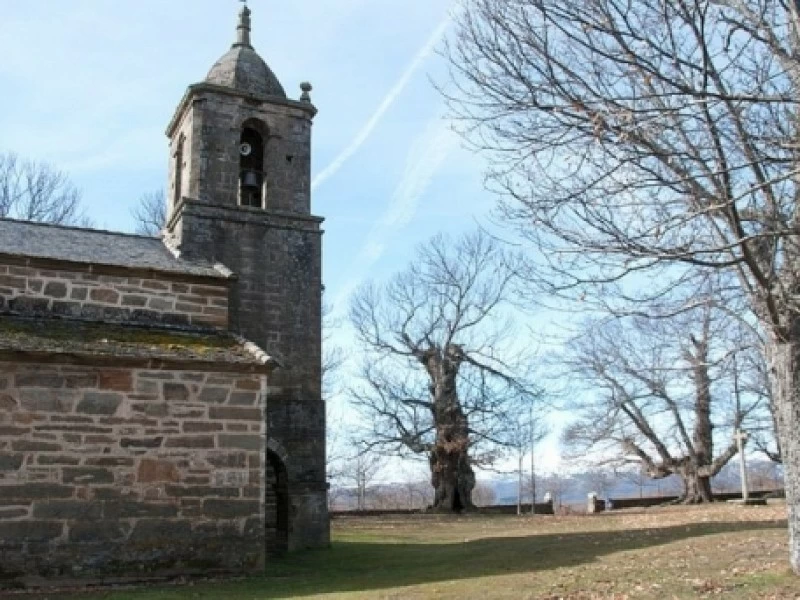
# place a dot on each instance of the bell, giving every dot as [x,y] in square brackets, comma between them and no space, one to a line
[250,179]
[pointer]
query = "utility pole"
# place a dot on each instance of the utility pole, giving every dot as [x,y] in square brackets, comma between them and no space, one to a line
[533,465]
[519,484]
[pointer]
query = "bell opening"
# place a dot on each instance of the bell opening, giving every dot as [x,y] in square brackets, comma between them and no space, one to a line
[251,165]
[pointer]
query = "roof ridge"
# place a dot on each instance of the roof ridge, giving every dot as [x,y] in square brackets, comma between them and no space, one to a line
[78,228]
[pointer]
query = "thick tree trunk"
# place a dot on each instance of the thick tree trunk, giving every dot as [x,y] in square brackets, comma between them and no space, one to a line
[452,479]
[784,365]
[451,470]
[696,489]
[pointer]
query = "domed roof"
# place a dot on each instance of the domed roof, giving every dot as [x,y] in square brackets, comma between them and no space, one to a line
[241,68]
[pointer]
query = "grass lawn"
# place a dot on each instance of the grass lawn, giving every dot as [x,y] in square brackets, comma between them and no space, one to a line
[720,551]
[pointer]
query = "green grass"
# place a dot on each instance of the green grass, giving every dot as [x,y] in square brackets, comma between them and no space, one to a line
[682,552]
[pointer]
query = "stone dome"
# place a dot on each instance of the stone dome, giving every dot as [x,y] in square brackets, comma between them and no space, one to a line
[241,68]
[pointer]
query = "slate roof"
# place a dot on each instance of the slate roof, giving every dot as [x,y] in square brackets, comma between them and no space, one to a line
[74,244]
[85,342]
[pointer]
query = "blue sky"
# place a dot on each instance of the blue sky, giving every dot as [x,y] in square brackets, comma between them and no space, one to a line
[90,85]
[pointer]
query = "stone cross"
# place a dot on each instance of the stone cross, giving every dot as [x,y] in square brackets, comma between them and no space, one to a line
[741,437]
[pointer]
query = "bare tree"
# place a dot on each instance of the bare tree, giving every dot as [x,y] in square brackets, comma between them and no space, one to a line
[150,214]
[338,447]
[360,470]
[419,494]
[661,393]
[37,191]
[601,480]
[643,135]
[352,478]
[441,366]
[750,370]
[526,429]
[556,487]
[337,436]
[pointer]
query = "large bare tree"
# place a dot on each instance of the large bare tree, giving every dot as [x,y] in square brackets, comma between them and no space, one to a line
[663,394]
[649,137]
[37,191]
[442,366]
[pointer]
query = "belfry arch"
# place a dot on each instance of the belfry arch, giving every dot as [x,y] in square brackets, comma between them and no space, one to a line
[252,167]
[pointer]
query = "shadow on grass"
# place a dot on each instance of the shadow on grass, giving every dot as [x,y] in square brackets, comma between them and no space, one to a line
[357,566]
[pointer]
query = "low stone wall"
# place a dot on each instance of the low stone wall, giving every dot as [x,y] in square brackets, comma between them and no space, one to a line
[119,471]
[84,293]
[542,508]
[646,502]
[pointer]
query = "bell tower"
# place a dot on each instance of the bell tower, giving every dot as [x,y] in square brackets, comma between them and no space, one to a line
[240,194]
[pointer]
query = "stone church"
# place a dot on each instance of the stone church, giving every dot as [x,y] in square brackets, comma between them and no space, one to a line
[160,403]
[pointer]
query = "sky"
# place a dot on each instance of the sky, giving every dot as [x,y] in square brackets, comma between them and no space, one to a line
[90,85]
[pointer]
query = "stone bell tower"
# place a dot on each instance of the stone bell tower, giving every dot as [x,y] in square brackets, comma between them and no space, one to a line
[240,194]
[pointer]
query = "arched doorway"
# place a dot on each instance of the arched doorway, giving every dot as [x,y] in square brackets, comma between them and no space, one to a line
[276,519]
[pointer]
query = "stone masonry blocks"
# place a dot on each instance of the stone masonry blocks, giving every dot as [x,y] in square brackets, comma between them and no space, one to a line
[93,480]
[74,294]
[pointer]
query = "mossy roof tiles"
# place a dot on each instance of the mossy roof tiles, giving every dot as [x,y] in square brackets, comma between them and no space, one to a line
[82,342]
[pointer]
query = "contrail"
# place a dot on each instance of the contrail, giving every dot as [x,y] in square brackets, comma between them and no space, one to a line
[393,94]
[425,158]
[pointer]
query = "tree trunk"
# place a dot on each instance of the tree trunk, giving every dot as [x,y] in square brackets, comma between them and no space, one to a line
[451,470]
[696,488]
[452,479]
[784,380]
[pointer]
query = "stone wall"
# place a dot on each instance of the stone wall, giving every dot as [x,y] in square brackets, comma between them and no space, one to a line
[79,292]
[119,470]
[276,303]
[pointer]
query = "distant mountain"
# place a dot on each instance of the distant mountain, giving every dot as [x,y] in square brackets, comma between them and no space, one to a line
[573,489]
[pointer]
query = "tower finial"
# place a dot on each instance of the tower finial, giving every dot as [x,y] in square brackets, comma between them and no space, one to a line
[243,29]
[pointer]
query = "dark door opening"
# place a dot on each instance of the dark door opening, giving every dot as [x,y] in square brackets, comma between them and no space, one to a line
[276,519]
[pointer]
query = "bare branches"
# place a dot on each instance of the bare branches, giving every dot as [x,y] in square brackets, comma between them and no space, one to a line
[151,213]
[626,135]
[32,191]
[633,138]
[662,392]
